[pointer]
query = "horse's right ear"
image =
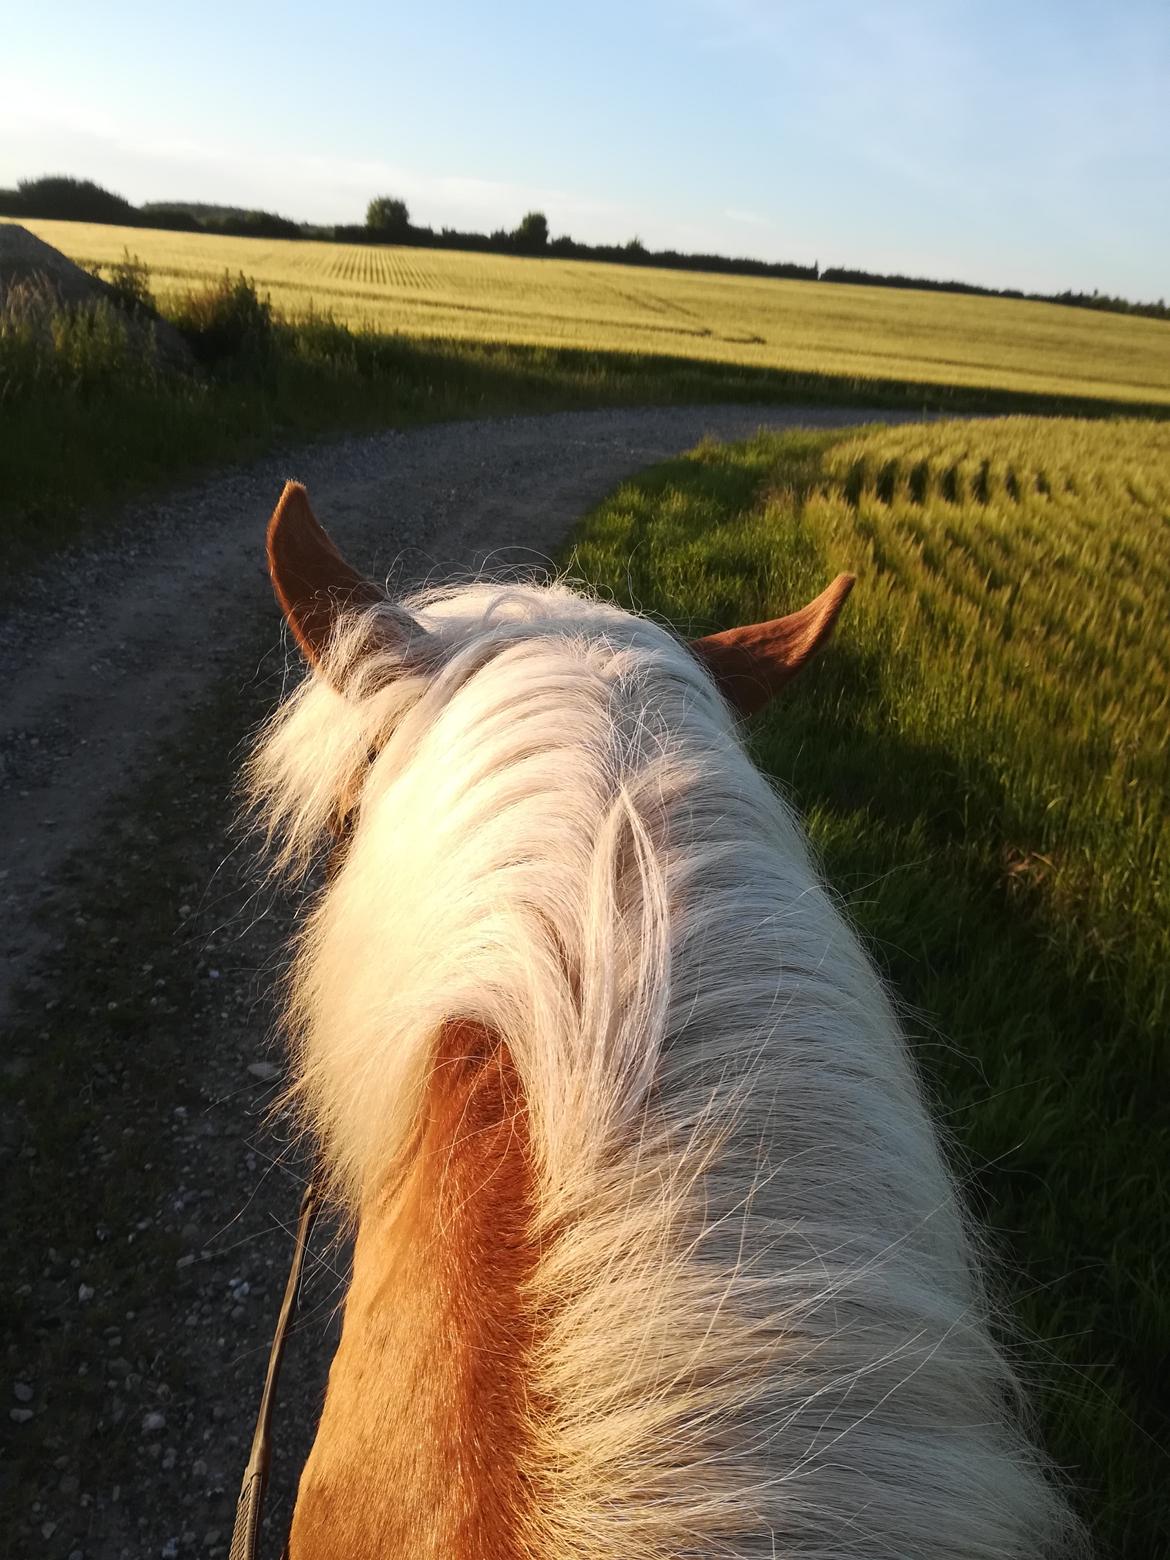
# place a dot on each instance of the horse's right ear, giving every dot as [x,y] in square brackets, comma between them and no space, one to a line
[750,665]
[314,584]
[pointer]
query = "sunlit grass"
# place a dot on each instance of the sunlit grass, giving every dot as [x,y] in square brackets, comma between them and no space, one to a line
[983,760]
[803,327]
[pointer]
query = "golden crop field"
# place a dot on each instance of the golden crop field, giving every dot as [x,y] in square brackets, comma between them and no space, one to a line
[809,327]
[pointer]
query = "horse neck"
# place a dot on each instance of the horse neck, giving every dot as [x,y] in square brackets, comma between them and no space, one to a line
[420,1444]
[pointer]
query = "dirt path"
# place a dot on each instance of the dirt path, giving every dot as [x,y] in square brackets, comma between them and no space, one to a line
[147,1248]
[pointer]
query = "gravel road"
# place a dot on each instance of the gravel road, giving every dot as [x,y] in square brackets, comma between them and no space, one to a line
[136,972]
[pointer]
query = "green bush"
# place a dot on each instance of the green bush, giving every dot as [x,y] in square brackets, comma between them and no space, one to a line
[227,321]
[129,280]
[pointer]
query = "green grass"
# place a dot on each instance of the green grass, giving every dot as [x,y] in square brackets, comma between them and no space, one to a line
[840,332]
[983,763]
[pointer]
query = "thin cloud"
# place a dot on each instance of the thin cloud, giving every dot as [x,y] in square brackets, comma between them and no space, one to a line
[751,219]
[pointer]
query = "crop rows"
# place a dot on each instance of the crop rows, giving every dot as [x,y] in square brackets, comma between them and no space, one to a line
[376,267]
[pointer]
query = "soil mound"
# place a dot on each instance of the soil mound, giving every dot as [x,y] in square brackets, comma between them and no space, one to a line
[26,261]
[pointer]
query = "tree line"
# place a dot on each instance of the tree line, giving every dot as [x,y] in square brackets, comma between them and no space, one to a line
[388,222]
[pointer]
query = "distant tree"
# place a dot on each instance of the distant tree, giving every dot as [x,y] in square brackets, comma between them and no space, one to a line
[388,215]
[159,214]
[533,231]
[74,200]
[253,224]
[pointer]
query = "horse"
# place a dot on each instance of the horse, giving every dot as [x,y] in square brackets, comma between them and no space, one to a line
[656,1251]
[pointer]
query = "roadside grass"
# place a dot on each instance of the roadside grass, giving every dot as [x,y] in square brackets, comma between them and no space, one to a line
[982,761]
[89,414]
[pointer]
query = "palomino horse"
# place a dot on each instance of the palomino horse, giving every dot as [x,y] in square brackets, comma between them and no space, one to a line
[656,1252]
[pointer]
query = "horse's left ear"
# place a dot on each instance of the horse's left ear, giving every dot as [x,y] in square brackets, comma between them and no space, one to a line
[752,664]
[313,583]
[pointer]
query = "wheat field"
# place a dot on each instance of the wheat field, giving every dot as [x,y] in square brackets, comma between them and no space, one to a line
[808,327]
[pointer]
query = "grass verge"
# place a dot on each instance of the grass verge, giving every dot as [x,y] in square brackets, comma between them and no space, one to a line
[981,759]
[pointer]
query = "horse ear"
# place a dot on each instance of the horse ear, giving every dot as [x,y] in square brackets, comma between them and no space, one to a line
[752,664]
[313,583]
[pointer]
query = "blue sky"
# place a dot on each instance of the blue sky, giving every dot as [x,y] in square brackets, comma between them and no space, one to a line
[1020,143]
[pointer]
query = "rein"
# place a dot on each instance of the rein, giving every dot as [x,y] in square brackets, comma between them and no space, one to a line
[249,1507]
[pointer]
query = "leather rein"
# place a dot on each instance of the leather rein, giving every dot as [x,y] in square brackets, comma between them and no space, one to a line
[249,1507]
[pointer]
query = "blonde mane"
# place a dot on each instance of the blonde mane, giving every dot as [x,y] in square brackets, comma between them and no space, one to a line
[760,1328]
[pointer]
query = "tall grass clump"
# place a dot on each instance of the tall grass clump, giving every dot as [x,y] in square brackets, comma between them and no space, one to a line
[47,349]
[128,280]
[982,757]
[226,322]
[84,398]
